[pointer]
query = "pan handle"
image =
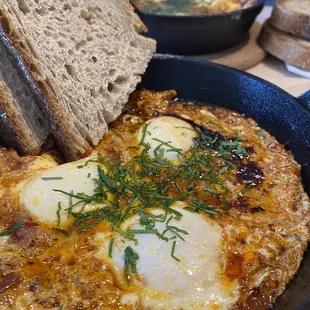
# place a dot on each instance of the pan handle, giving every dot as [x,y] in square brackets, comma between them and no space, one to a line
[304,99]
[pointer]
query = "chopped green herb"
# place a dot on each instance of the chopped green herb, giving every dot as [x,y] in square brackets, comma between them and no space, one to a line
[144,130]
[142,231]
[131,258]
[212,191]
[12,230]
[200,206]
[133,147]
[237,135]
[52,178]
[123,233]
[241,194]
[173,250]
[105,179]
[111,247]
[216,125]
[168,144]
[64,232]
[58,213]
[225,205]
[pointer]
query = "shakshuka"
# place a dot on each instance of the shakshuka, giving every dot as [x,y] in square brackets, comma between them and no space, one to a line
[180,206]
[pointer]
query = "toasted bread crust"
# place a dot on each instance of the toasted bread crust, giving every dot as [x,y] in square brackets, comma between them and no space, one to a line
[286,47]
[293,22]
[11,137]
[12,130]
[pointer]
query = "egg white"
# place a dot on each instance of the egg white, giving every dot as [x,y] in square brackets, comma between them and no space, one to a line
[39,197]
[175,132]
[194,282]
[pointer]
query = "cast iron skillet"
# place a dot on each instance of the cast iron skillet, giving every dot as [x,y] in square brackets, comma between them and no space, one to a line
[287,118]
[189,35]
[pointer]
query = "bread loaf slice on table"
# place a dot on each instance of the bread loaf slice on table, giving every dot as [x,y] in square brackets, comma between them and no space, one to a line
[75,62]
[291,49]
[292,16]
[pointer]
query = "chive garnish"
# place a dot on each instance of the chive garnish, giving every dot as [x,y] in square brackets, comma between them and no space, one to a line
[225,205]
[216,125]
[105,179]
[111,247]
[58,213]
[123,233]
[171,148]
[172,251]
[144,131]
[131,258]
[64,232]
[143,183]
[52,178]
[142,231]
[212,191]
[12,230]
[245,190]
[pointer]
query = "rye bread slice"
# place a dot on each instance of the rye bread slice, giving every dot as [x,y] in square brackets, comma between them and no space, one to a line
[291,49]
[292,16]
[84,58]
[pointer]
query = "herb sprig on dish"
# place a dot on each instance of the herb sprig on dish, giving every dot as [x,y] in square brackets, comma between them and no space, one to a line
[143,183]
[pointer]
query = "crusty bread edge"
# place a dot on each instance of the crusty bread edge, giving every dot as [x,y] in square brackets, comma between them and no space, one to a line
[13,134]
[290,21]
[284,46]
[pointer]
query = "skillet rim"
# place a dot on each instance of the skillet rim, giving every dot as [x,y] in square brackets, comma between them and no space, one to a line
[302,99]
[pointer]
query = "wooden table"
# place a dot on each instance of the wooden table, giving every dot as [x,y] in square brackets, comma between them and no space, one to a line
[249,56]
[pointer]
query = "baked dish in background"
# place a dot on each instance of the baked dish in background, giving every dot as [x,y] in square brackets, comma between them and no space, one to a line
[180,206]
[191,7]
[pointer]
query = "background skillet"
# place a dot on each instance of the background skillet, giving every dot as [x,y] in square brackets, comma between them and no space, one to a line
[285,117]
[200,34]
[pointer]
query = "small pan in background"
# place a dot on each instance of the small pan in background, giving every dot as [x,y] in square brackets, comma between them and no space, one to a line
[200,34]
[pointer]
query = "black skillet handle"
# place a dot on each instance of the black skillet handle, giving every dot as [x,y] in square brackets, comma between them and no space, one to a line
[304,99]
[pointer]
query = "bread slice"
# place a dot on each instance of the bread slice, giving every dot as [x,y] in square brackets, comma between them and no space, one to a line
[80,59]
[291,49]
[292,16]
